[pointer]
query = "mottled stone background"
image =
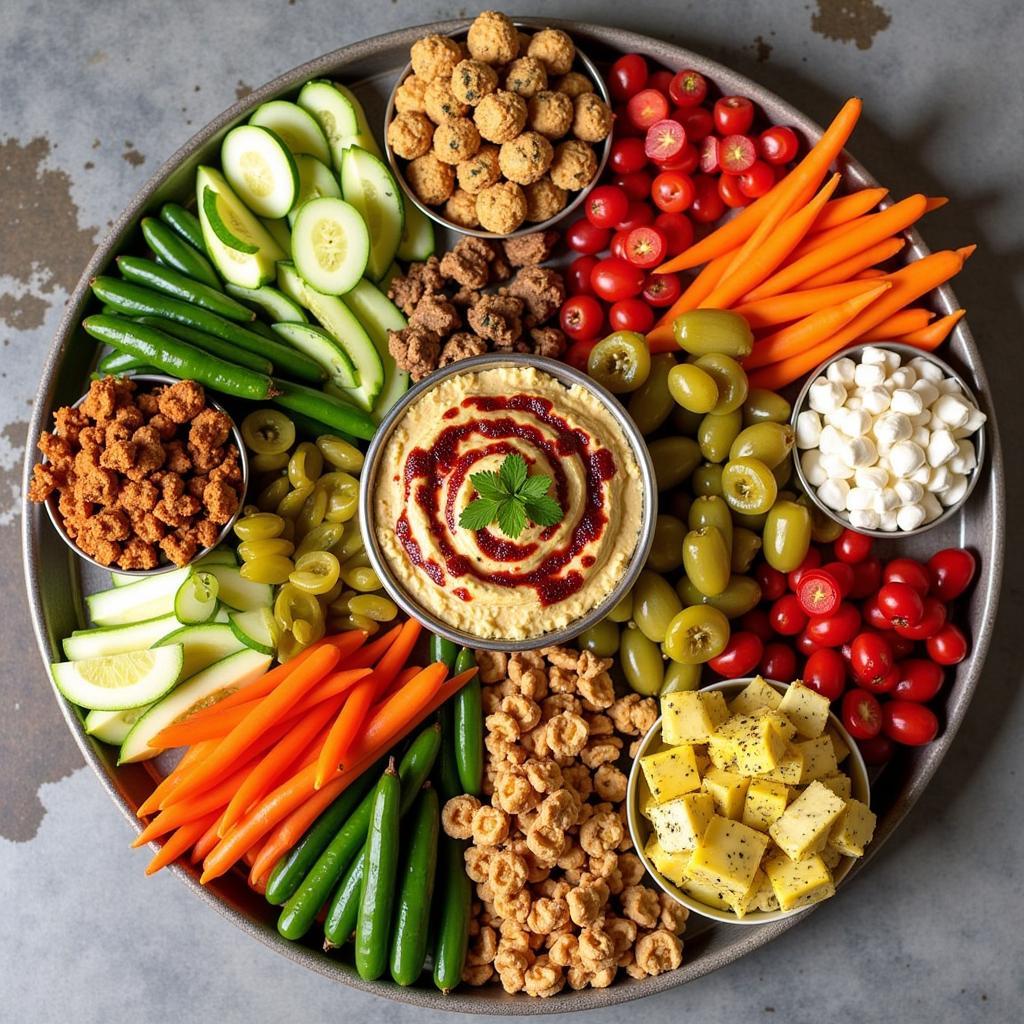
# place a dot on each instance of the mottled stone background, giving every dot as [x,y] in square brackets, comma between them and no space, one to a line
[93,97]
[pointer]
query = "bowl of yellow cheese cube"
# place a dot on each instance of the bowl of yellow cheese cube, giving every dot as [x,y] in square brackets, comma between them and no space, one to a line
[748,801]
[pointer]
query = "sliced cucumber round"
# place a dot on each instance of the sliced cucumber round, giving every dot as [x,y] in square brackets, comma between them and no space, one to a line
[297,127]
[203,645]
[196,599]
[222,224]
[316,180]
[330,245]
[316,343]
[107,640]
[119,681]
[278,306]
[113,726]
[334,112]
[368,184]
[261,169]
[257,629]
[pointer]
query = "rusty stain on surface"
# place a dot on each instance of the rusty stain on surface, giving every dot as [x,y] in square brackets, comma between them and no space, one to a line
[242,90]
[133,156]
[23,312]
[762,49]
[850,21]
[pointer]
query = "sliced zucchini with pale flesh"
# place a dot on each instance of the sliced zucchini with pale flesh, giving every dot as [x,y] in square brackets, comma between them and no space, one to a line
[269,300]
[316,180]
[107,640]
[364,137]
[241,594]
[119,681]
[280,231]
[330,245]
[418,242]
[261,169]
[143,599]
[316,343]
[297,127]
[256,629]
[334,112]
[368,184]
[113,726]
[196,599]
[202,645]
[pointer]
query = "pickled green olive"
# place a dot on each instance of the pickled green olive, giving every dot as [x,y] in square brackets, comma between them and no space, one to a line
[291,504]
[783,472]
[667,550]
[339,453]
[765,406]
[768,442]
[717,433]
[706,560]
[701,331]
[686,422]
[316,572]
[250,549]
[651,404]
[623,611]
[273,462]
[696,635]
[745,546]
[707,479]
[267,569]
[320,538]
[692,388]
[711,510]
[305,465]
[602,639]
[680,677]
[267,432]
[730,378]
[748,486]
[261,526]
[654,604]
[273,494]
[749,521]
[642,663]
[374,607]
[742,594]
[824,529]
[674,458]
[621,362]
[787,535]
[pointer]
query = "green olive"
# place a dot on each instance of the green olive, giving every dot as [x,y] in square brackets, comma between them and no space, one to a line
[769,442]
[674,458]
[701,331]
[711,510]
[697,634]
[679,502]
[601,639]
[680,677]
[667,550]
[621,362]
[717,433]
[707,479]
[741,594]
[745,546]
[748,485]
[654,604]
[783,472]
[642,663]
[692,388]
[268,432]
[749,521]
[765,406]
[730,378]
[706,560]
[623,611]
[824,529]
[787,535]
[651,403]
[685,422]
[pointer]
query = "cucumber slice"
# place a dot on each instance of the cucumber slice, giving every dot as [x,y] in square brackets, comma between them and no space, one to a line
[370,187]
[316,343]
[364,137]
[269,300]
[256,629]
[113,726]
[107,640]
[330,245]
[279,231]
[334,112]
[218,556]
[196,599]
[223,613]
[418,242]
[119,681]
[389,275]
[261,170]
[296,127]
[143,599]
[222,225]
[316,180]
[203,645]
[213,684]
[240,594]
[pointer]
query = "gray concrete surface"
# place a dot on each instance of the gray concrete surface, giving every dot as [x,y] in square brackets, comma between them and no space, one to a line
[94,96]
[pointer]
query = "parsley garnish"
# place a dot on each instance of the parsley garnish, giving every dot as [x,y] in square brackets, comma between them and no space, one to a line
[511,496]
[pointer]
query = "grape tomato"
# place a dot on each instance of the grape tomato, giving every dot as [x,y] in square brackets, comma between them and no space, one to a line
[688,88]
[662,290]
[912,724]
[952,571]
[918,679]
[606,205]
[613,278]
[627,76]
[582,318]
[631,315]
[584,237]
[672,192]
[778,145]
[678,230]
[577,276]
[733,115]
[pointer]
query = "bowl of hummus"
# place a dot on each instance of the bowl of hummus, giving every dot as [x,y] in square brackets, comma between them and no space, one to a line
[508,502]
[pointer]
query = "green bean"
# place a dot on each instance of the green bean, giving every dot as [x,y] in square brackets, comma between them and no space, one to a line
[178,286]
[468,721]
[175,252]
[185,223]
[208,343]
[335,413]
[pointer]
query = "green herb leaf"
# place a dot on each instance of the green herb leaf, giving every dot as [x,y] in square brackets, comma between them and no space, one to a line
[513,473]
[488,485]
[478,514]
[543,511]
[535,487]
[511,496]
[511,517]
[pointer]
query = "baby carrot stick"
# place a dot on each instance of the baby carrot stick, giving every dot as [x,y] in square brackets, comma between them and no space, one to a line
[174,777]
[871,274]
[848,269]
[374,650]
[177,844]
[206,842]
[932,336]
[912,318]
[847,208]
[661,338]
[401,679]
[781,309]
[935,203]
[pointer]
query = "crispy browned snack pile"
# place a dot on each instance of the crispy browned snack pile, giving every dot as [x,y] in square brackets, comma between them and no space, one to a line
[140,473]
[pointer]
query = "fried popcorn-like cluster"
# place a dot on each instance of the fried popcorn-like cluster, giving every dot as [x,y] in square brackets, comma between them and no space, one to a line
[560,898]
[140,474]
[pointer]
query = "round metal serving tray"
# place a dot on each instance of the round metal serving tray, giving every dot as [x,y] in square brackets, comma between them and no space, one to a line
[56,580]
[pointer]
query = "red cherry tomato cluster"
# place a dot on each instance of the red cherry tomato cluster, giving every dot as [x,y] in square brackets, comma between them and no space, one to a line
[874,636]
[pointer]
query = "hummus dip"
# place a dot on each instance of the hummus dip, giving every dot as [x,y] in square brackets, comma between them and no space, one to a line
[480,581]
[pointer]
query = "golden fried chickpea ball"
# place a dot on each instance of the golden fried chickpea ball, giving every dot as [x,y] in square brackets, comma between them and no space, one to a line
[592,118]
[526,76]
[461,209]
[544,200]
[409,134]
[440,103]
[573,166]
[409,95]
[501,116]
[472,80]
[434,57]
[554,49]
[479,171]
[573,84]
[501,208]
[492,38]
[456,140]
[431,180]
[550,113]
[526,158]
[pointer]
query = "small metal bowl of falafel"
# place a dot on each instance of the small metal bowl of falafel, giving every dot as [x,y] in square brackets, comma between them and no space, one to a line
[498,130]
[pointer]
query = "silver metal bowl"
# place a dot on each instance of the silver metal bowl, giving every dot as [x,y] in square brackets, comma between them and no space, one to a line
[565,374]
[906,352]
[58,523]
[584,65]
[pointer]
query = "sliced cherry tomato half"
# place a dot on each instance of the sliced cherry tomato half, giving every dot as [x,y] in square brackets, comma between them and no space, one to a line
[647,107]
[646,247]
[818,592]
[664,141]
[737,154]
[687,88]
[661,290]
[709,162]
[862,714]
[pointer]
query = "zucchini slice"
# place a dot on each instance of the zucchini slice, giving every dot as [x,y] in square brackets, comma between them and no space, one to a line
[316,180]
[260,169]
[107,640]
[240,594]
[201,645]
[330,245]
[256,629]
[144,599]
[417,243]
[368,184]
[119,681]
[274,303]
[296,127]
[316,343]
[196,599]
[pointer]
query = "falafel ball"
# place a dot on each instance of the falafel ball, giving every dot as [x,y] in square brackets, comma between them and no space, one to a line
[430,180]
[544,200]
[492,38]
[461,209]
[501,208]
[526,158]
[456,140]
[574,165]
[573,84]
[472,80]
[434,57]
[554,49]
[479,171]
[409,134]
[440,103]
[501,116]
[550,113]
[526,76]
[409,95]
[592,118]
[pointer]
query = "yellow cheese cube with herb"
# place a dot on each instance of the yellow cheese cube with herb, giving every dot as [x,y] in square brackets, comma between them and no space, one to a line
[831,856]
[742,903]
[853,829]
[704,892]
[671,773]
[804,826]
[671,865]
[691,716]
[758,746]
[839,783]
[728,790]
[806,709]
[819,758]
[840,745]
[681,822]
[765,803]
[798,883]
[780,723]
[756,694]
[764,895]
[790,768]
[728,855]
[722,753]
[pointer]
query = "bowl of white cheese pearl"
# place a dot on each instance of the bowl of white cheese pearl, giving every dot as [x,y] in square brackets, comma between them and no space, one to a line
[889,439]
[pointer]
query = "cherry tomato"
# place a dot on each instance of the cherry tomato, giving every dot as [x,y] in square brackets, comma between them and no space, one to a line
[697,123]
[818,592]
[631,315]
[786,616]
[664,140]
[646,107]
[876,750]
[870,659]
[867,577]
[627,76]
[672,192]
[807,645]
[862,714]
[707,205]
[825,673]
[636,184]
[661,290]
[730,191]
[901,603]
[606,206]
[811,561]
[836,629]
[778,145]
[909,571]
[613,279]
[948,646]
[741,656]
[733,115]
[582,317]
[931,621]
[757,621]
[884,685]
[686,160]
[646,247]
[617,247]
[678,230]
[627,155]
[874,616]
[952,571]
[843,575]
[778,662]
[622,126]
[688,88]
[902,646]
[638,214]
[582,236]
[577,277]
[578,355]
[852,547]
[771,581]
[918,679]
[911,724]
[660,80]
[757,179]
[737,153]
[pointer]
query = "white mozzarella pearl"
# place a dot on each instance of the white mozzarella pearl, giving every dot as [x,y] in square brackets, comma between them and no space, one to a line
[865,520]
[906,457]
[910,517]
[875,399]
[833,492]
[889,521]
[841,371]
[926,369]
[951,410]
[871,477]
[955,491]
[869,375]
[908,491]
[906,401]
[826,395]
[836,468]
[808,429]
[927,390]
[860,498]
[892,427]
[942,446]
[810,463]
[931,506]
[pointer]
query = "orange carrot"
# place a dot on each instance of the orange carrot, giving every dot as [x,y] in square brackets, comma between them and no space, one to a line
[174,777]
[871,274]
[814,328]
[209,839]
[912,318]
[935,203]
[848,269]
[932,336]
[374,650]
[401,679]
[847,208]
[661,338]
[177,844]
[781,309]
